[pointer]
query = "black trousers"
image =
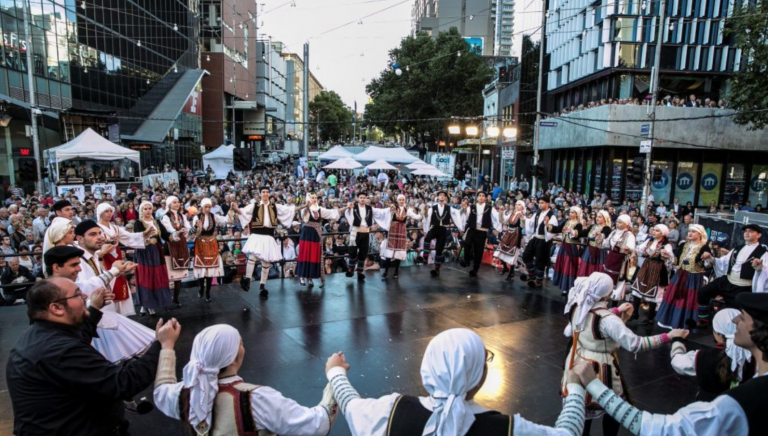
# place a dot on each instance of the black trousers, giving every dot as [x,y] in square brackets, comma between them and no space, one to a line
[440,234]
[721,286]
[536,255]
[474,247]
[359,252]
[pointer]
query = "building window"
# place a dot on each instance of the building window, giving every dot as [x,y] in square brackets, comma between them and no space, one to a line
[618,175]
[734,184]
[758,184]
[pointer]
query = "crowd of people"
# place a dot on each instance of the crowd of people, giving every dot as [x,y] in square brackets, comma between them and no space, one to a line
[134,250]
[667,101]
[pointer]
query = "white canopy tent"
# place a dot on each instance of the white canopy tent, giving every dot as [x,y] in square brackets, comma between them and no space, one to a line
[335,153]
[393,155]
[221,160]
[381,164]
[89,145]
[345,163]
[418,164]
[429,172]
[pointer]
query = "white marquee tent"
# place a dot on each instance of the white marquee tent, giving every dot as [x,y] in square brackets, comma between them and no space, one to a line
[221,160]
[393,155]
[345,163]
[335,153]
[381,164]
[89,145]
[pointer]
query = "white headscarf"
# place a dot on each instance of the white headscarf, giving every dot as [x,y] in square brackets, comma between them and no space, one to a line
[56,231]
[453,365]
[663,229]
[606,217]
[144,203]
[206,201]
[586,292]
[698,228]
[723,324]
[214,348]
[578,211]
[170,200]
[103,207]
[625,219]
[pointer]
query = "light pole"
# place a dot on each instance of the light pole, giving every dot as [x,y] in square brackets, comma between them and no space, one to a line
[652,109]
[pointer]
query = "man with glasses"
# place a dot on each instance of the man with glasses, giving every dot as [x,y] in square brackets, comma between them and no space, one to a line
[735,272]
[58,383]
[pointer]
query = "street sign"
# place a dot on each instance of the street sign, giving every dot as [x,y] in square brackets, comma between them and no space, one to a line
[645,130]
[645,147]
[548,123]
[508,154]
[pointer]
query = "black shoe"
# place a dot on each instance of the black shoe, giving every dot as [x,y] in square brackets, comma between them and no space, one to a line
[510,277]
[360,277]
[141,408]
[533,284]
[245,284]
[178,305]
[349,273]
[322,283]
[207,299]
[504,270]
[264,294]
[524,277]
[435,272]
[473,273]
[302,282]
[310,283]
[394,276]
[384,275]
[200,293]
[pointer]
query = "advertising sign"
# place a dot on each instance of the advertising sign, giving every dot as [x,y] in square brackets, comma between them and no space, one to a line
[445,162]
[758,184]
[710,183]
[685,184]
[662,188]
[99,189]
[475,44]
[150,180]
[76,190]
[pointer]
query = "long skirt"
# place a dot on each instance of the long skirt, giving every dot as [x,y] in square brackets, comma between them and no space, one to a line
[123,339]
[651,279]
[152,278]
[207,261]
[123,302]
[397,242]
[566,266]
[310,261]
[592,261]
[680,300]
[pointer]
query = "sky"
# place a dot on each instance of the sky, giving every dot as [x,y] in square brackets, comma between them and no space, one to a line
[344,57]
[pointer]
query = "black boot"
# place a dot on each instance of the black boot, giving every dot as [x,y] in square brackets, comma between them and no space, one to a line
[350,272]
[386,269]
[176,292]
[264,294]
[636,306]
[511,274]
[208,284]
[202,289]
[435,272]
[504,270]
[397,267]
[360,276]
[651,315]
[473,273]
[245,284]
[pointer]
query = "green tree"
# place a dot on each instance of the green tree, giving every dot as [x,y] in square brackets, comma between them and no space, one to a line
[748,29]
[328,113]
[440,78]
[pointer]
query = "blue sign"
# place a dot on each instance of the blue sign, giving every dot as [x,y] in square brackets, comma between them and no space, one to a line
[661,184]
[709,182]
[548,123]
[645,130]
[757,184]
[684,181]
[475,44]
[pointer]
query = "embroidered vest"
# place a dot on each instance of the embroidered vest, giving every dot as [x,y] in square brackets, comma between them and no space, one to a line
[708,378]
[747,270]
[409,417]
[232,413]
[357,218]
[441,220]
[485,220]
[257,220]
[751,397]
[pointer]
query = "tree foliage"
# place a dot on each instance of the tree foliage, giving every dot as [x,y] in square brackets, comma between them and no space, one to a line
[748,29]
[333,118]
[440,79]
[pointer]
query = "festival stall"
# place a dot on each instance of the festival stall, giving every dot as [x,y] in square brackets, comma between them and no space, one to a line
[220,160]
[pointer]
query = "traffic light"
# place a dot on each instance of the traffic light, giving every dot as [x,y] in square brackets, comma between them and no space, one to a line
[28,169]
[638,169]
[242,158]
[539,171]
[656,175]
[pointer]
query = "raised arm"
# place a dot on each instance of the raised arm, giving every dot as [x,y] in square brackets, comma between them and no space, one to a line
[285,214]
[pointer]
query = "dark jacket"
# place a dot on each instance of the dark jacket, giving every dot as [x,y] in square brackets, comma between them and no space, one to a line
[60,385]
[8,276]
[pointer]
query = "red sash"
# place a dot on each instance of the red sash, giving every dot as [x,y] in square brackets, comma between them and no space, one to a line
[120,289]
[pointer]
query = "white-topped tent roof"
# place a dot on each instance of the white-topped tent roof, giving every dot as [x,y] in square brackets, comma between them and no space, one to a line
[393,155]
[90,145]
[335,153]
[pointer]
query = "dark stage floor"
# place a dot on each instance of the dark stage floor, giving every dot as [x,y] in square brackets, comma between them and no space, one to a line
[383,327]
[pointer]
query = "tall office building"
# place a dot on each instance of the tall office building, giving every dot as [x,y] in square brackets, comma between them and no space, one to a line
[486,24]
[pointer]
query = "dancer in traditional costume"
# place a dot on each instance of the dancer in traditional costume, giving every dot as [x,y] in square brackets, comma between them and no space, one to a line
[511,240]
[310,264]
[597,333]
[360,216]
[566,267]
[620,246]
[207,263]
[152,282]
[114,236]
[536,254]
[594,255]
[653,276]
[453,370]
[119,338]
[394,249]
[478,220]
[177,251]
[60,232]
[679,306]
[262,218]
[213,400]
[438,220]
[736,273]
[716,369]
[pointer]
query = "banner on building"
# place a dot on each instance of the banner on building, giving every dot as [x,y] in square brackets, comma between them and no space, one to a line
[99,189]
[685,184]
[710,183]
[758,185]
[151,180]
[76,190]
[662,188]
